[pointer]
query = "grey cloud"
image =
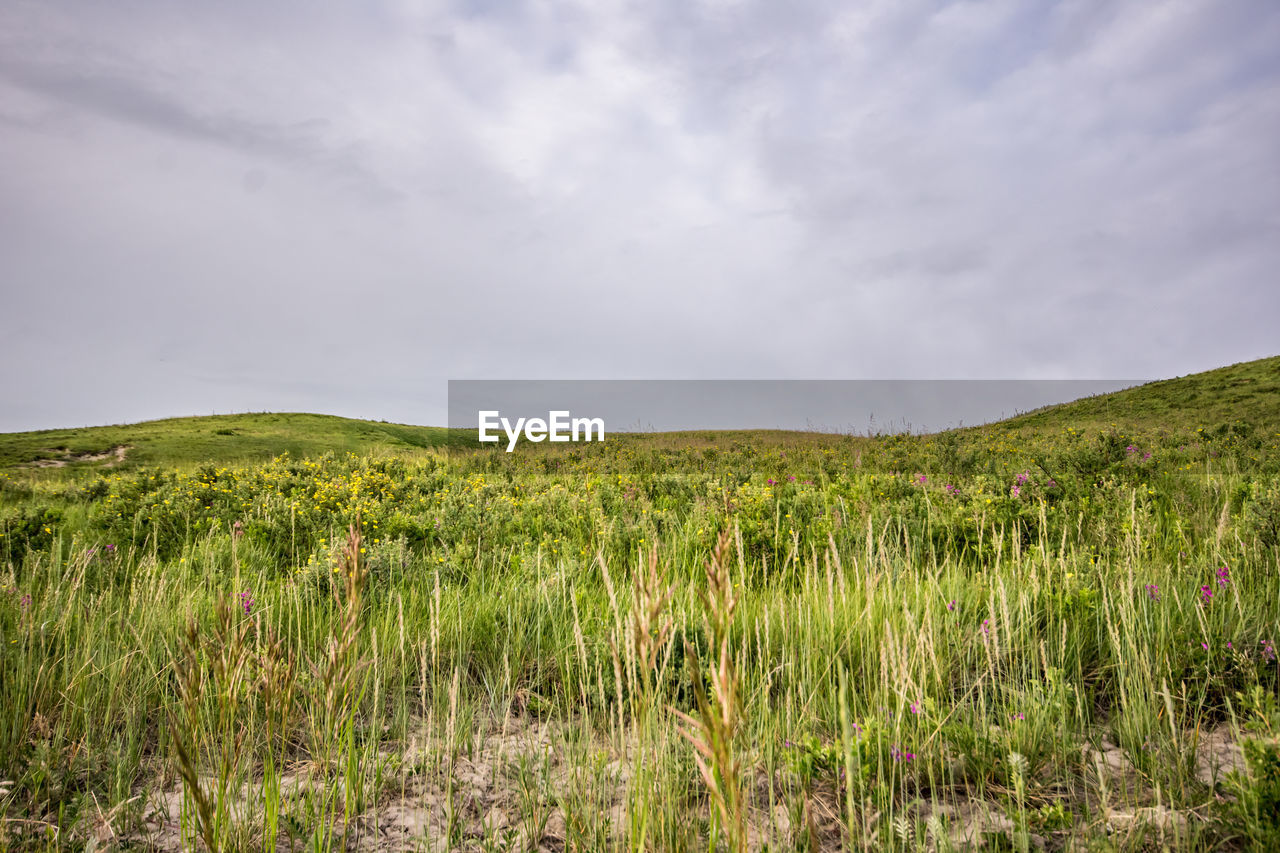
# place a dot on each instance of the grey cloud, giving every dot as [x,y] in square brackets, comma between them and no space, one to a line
[338,207]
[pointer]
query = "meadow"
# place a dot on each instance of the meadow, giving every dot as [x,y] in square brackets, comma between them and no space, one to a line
[286,632]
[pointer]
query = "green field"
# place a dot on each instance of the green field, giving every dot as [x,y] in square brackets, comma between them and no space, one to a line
[301,632]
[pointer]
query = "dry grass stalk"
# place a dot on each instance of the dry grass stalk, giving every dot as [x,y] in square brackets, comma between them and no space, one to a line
[228,656]
[338,669]
[190,678]
[713,731]
[651,625]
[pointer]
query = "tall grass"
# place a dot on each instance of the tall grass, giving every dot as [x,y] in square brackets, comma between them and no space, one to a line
[870,660]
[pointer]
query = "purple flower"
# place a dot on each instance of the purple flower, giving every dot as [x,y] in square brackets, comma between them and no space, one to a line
[26,601]
[1131,449]
[237,529]
[951,490]
[246,602]
[1019,716]
[921,479]
[771,481]
[1153,591]
[1224,576]
[1268,651]
[1146,456]
[1206,594]
[791,478]
[951,605]
[1023,477]
[899,755]
[1017,490]
[915,707]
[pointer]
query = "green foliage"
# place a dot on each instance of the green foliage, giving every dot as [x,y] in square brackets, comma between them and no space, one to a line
[915,611]
[1256,804]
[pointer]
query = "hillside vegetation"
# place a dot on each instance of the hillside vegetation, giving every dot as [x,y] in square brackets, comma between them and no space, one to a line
[214,438]
[1056,632]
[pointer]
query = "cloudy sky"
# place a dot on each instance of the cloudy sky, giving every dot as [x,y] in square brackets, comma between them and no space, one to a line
[335,207]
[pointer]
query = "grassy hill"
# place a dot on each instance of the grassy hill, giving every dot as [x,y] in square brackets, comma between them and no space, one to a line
[1248,392]
[1242,392]
[1061,626]
[215,438]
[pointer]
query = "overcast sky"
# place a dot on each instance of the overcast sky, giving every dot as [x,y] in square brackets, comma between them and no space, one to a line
[335,207]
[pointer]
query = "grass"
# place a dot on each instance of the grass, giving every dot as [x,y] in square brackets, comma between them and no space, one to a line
[1053,631]
[221,439]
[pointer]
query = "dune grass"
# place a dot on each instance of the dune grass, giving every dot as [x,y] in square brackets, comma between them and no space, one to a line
[1059,637]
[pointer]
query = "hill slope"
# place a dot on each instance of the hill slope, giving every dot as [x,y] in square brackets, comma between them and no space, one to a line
[215,438]
[1249,391]
[1243,392]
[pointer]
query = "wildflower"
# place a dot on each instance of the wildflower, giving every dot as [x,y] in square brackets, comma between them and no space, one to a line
[1131,449]
[1019,716]
[1017,490]
[1206,594]
[986,627]
[771,481]
[26,601]
[1223,576]
[921,479]
[951,490]
[246,602]
[1204,646]
[237,529]
[951,605]
[1268,651]
[899,755]
[1153,591]
[1023,477]
[915,707]
[1146,456]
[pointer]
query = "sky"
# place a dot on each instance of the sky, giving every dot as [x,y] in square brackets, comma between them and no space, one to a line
[337,207]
